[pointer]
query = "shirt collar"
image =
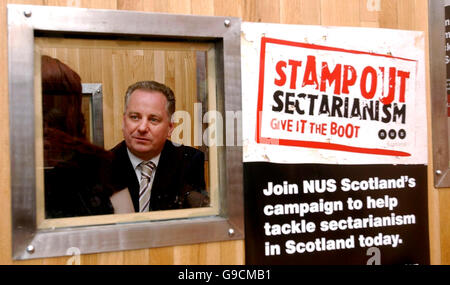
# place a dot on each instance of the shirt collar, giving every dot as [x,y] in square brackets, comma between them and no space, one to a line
[135,161]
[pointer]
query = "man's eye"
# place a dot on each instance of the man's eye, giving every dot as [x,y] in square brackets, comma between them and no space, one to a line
[134,117]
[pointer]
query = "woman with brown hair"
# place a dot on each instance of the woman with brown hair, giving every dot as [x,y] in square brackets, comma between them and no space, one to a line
[78,180]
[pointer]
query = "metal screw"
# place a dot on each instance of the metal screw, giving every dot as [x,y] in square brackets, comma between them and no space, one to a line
[227,23]
[27,13]
[438,172]
[30,249]
[231,232]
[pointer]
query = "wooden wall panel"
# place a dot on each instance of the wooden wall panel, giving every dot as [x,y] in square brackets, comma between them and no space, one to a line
[307,12]
[388,14]
[267,11]
[201,7]
[368,13]
[405,9]
[444,214]
[340,13]
[396,14]
[5,188]
[230,8]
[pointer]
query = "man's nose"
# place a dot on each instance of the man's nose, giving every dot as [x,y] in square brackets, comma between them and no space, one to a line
[143,126]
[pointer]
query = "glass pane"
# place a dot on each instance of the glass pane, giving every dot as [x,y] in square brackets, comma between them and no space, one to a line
[90,170]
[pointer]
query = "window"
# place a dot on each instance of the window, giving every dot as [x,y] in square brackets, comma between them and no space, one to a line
[198,57]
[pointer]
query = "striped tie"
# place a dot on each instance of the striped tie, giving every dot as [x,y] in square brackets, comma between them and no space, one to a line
[144,188]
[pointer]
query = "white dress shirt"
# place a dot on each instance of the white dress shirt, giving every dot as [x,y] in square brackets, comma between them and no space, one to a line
[135,161]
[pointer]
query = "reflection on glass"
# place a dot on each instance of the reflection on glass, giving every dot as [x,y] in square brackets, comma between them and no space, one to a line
[174,174]
[83,179]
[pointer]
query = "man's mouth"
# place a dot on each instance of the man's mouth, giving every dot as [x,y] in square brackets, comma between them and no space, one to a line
[141,139]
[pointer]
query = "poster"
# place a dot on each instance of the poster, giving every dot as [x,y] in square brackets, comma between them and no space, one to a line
[335,145]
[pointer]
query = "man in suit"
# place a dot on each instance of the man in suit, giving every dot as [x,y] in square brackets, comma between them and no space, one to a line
[149,164]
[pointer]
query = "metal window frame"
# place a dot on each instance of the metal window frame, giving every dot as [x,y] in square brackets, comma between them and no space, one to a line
[28,241]
[440,130]
[95,93]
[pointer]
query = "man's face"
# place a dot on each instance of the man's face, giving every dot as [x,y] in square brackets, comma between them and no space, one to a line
[146,123]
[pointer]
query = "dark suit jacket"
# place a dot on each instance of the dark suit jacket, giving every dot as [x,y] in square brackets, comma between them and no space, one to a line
[179,181]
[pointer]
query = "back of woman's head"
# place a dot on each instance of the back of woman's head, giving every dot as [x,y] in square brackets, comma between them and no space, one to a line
[61,97]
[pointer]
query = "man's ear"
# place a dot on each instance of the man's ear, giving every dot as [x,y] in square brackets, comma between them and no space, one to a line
[171,127]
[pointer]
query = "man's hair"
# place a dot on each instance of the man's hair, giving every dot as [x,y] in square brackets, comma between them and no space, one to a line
[153,86]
